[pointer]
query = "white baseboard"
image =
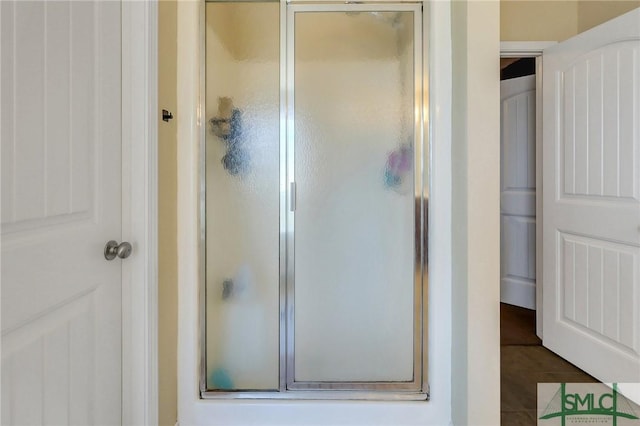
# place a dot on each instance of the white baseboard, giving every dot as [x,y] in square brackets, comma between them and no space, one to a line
[518,292]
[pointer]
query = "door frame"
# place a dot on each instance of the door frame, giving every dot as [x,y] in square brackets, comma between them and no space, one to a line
[288,387]
[139,212]
[417,388]
[528,49]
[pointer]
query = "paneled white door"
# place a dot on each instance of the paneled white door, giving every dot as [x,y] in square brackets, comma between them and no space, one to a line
[61,202]
[591,199]
[518,191]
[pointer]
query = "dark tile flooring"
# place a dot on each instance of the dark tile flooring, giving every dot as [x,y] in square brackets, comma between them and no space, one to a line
[524,364]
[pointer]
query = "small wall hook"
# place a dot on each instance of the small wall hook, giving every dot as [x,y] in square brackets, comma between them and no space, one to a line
[166,115]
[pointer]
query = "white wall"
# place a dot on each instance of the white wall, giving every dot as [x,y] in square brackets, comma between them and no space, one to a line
[476,228]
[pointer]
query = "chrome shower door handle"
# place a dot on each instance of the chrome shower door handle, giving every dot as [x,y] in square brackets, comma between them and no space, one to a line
[113,249]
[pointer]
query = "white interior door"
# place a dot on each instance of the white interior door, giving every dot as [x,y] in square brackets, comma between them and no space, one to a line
[61,202]
[518,191]
[591,207]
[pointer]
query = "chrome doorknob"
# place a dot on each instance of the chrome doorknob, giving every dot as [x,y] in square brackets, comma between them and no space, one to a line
[113,249]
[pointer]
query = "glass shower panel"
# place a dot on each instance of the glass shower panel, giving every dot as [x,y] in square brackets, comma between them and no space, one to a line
[242,195]
[354,127]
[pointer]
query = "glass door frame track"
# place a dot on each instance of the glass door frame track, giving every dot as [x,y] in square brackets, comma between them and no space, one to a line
[288,140]
[288,388]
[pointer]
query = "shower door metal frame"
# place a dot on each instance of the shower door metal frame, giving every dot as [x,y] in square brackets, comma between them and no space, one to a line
[418,388]
[287,143]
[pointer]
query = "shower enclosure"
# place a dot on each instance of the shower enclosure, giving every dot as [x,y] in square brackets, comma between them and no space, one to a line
[314,201]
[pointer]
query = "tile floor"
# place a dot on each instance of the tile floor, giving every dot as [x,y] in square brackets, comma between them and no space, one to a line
[524,364]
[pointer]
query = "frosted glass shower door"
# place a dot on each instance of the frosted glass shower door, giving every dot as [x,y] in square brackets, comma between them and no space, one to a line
[241,179]
[354,169]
